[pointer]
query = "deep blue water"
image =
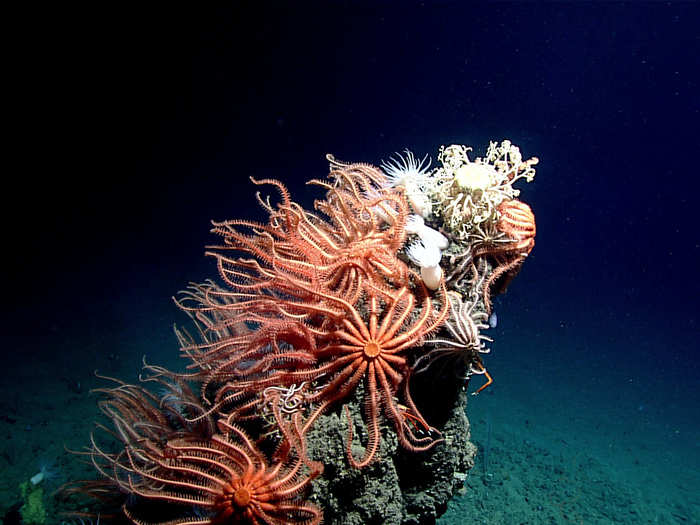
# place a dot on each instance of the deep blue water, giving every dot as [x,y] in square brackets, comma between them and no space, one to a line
[139,127]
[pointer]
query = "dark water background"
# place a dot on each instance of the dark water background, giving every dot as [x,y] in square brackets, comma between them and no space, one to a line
[135,127]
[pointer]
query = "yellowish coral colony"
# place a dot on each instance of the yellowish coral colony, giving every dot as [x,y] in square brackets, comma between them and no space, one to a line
[464,194]
[318,314]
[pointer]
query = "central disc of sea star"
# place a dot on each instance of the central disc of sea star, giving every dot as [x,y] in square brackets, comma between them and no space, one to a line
[372,349]
[241,497]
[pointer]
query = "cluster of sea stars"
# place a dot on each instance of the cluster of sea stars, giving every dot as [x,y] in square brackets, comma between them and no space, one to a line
[313,307]
[324,301]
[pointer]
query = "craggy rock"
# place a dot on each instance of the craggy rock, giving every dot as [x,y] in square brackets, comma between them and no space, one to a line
[400,487]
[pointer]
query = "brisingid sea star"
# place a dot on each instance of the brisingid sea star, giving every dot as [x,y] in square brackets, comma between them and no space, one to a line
[209,479]
[229,481]
[517,222]
[371,347]
[356,242]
